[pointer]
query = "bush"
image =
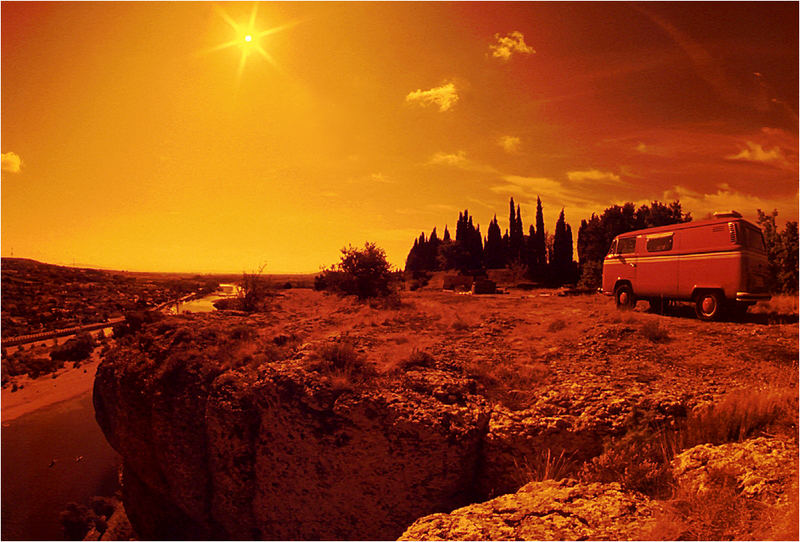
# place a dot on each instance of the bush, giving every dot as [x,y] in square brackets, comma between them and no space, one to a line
[134,320]
[253,291]
[364,273]
[75,349]
[654,332]
[418,358]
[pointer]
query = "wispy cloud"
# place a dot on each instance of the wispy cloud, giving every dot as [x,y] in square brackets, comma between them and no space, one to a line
[505,46]
[726,199]
[380,178]
[11,162]
[510,144]
[445,97]
[755,152]
[458,158]
[594,176]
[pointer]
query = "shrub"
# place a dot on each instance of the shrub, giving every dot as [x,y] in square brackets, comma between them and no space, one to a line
[556,325]
[133,322]
[418,358]
[364,273]
[543,466]
[253,291]
[75,349]
[653,332]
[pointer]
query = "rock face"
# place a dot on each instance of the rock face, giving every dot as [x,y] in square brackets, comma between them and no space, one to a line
[549,510]
[762,468]
[222,443]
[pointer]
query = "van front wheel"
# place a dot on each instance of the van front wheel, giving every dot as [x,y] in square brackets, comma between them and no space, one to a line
[708,306]
[624,297]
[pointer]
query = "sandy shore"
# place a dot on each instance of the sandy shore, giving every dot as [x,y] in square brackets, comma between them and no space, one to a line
[46,390]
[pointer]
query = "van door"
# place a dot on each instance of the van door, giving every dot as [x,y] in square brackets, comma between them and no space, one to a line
[625,268]
[658,266]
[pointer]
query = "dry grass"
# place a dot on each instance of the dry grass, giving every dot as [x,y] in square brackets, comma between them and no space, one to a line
[654,332]
[511,384]
[780,304]
[418,358]
[640,460]
[543,466]
[556,325]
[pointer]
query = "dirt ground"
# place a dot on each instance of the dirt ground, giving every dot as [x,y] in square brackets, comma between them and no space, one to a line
[550,338]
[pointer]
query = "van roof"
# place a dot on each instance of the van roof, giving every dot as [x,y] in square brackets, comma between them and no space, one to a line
[685,225]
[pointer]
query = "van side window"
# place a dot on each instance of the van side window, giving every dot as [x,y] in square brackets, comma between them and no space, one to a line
[659,243]
[613,249]
[626,245]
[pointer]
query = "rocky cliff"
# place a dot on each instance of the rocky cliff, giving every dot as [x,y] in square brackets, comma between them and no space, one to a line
[330,420]
[219,442]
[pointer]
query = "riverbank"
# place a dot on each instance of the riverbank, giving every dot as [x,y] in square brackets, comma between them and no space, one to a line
[34,394]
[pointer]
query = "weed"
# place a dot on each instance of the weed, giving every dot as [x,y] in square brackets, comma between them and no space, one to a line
[418,358]
[513,385]
[723,514]
[654,332]
[460,325]
[556,325]
[543,466]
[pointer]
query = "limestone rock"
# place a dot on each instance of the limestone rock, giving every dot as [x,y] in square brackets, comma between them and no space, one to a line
[548,510]
[218,442]
[763,468]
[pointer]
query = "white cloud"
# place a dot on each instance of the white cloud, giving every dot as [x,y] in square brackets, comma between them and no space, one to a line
[725,199]
[757,153]
[458,158]
[594,175]
[510,144]
[513,42]
[380,178]
[444,96]
[11,162]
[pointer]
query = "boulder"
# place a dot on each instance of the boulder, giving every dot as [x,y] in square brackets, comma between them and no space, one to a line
[548,510]
[761,468]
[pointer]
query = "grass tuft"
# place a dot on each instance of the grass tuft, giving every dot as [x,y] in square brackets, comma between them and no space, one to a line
[654,332]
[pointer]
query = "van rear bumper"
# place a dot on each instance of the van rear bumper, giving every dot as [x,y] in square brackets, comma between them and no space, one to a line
[745,296]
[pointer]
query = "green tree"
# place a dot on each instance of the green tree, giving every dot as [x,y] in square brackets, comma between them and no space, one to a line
[363,272]
[782,249]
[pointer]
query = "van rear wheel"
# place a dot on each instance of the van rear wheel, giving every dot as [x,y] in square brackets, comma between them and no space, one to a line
[709,305]
[624,297]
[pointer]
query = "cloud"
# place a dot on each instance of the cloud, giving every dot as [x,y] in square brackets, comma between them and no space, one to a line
[725,199]
[505,46]
[510,144]
[11,163]
[458,158]
[380,178]
[594,175]
[757,153]
[444,96]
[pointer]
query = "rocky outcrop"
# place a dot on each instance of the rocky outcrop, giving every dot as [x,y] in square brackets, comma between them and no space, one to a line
[220,441]
[569,422]
[548,510]
[762,468]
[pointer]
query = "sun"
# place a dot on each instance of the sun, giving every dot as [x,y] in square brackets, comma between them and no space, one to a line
[250,42]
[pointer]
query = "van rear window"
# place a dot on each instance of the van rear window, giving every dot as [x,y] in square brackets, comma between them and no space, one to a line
[626,245]
[752,238]
[659,243]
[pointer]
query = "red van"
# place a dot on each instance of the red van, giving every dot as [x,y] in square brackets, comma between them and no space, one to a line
[717,264]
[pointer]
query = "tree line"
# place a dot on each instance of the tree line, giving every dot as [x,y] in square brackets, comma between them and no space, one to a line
[548,259]
[541,257]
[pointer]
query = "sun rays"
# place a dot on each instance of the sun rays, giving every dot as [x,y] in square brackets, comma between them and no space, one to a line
[247,38]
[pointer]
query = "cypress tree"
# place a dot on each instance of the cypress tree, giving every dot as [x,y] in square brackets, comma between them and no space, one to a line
[493,253]
[539,246]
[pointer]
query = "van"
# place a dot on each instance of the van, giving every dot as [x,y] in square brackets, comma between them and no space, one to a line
[720,265]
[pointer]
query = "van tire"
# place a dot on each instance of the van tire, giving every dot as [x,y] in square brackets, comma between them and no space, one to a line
[709,305]
[623,295]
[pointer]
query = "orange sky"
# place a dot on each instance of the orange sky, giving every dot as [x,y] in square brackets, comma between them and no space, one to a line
[129,141]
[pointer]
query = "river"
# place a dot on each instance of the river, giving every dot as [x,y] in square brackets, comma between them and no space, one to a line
[33,492]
